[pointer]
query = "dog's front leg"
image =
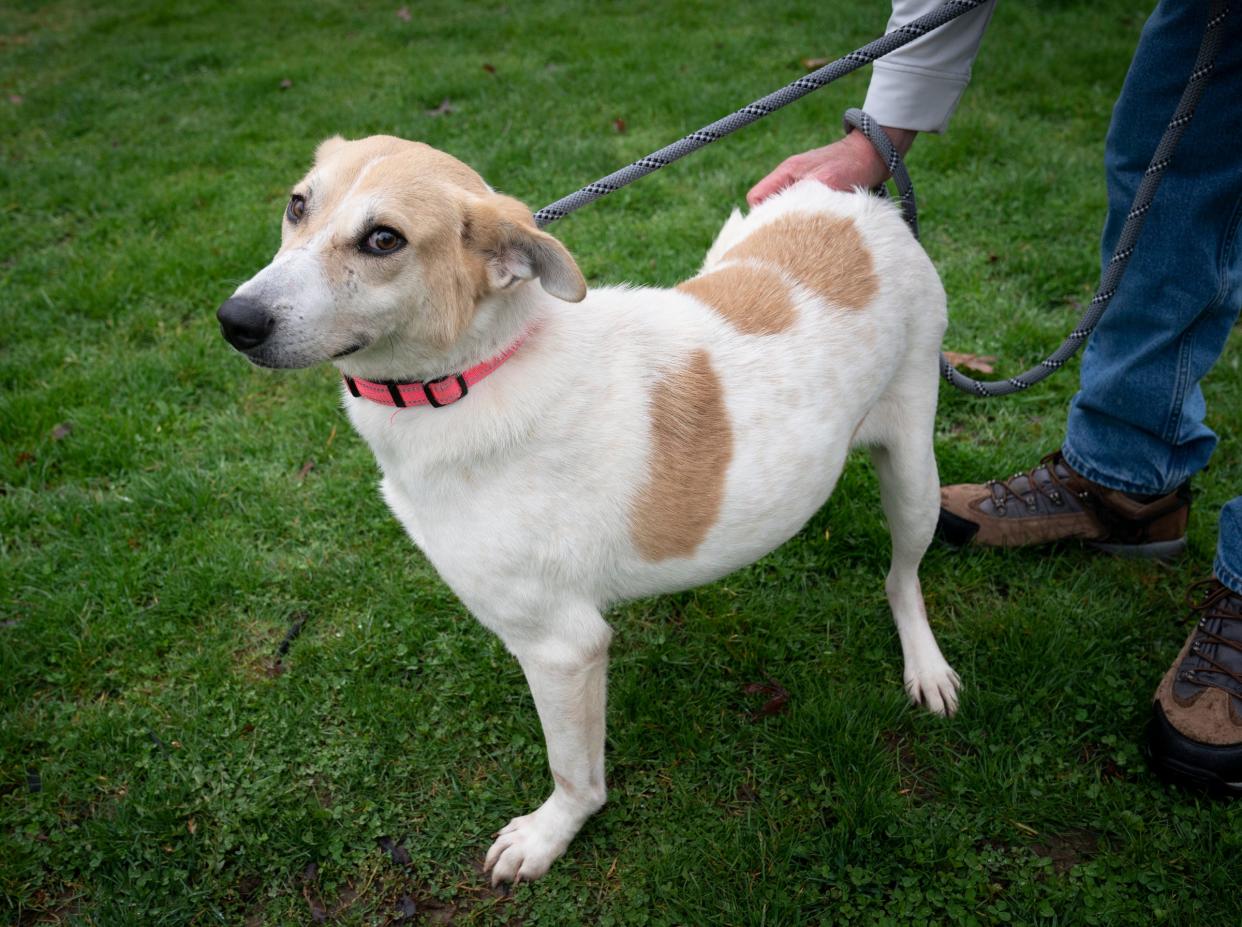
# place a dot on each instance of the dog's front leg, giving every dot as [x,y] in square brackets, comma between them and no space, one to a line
[566,673]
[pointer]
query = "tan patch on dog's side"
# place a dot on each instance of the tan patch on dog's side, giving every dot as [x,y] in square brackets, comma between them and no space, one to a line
[692,444]
[824,253]
[754,300]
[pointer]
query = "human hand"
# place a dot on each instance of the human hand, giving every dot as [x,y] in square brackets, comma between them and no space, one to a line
[843,165]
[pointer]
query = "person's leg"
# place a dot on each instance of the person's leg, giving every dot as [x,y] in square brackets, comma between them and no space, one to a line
[1136,428]
[1137,422]
[1228,566]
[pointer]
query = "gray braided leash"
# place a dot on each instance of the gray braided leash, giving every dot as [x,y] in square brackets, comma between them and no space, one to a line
[757,110]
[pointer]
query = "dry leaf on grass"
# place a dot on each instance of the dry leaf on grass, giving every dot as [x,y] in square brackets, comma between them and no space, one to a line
[777,703]
[980,363]
[814,64]
[446,106]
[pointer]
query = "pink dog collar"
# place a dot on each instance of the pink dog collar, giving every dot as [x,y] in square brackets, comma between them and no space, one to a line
[405,393]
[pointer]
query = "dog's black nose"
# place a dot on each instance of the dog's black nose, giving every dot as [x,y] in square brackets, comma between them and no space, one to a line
[244,323]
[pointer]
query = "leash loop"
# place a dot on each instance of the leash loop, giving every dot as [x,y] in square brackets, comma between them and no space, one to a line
[896,165]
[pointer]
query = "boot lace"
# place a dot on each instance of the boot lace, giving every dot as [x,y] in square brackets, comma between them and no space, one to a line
[1210,599]
[1004,490]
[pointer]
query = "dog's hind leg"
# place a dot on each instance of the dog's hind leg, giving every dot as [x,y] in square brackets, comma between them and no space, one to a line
[566,670]
[899,430]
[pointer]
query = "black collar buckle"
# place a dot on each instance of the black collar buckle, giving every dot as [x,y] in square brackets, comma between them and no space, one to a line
[461,385]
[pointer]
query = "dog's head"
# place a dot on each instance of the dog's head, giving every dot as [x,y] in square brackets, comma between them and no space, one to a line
[388,245]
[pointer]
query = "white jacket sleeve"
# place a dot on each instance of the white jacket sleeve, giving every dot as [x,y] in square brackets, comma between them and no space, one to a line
[918,86]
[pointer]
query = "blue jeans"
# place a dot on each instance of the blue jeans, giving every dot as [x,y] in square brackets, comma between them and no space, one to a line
[1136,423]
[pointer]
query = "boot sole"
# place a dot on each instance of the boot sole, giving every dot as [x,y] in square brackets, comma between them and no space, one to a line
[1153,550]
[1180,761]
[960,532]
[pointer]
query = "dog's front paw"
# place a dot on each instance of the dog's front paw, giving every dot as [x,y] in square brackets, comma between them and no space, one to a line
[527,846]
[935,688]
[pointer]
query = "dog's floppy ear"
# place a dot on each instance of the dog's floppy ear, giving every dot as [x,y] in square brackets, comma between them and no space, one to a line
[328,147]
[502,231]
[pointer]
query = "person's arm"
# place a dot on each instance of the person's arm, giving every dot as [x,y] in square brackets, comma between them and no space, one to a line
[914,89]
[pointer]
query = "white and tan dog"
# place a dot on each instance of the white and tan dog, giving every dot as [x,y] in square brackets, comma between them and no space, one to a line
[624,442]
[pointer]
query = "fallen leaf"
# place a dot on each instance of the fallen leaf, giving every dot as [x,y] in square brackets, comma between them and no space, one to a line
[62,431]
[403,14]
[286,84]
[24,457]
[489,68]
[814,64]
[192,826]
[15,99]
[619,125]
[306,468]
[445,107]
[778,702]
[774,706]
[976,362]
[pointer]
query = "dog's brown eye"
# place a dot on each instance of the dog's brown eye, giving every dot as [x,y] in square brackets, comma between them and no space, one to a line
[296,208]
[382,241]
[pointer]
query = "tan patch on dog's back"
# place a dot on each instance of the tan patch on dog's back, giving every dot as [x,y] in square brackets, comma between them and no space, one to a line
[754,300]
[826,254]
[692,444]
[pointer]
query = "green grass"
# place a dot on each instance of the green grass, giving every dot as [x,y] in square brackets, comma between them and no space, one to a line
[158,767]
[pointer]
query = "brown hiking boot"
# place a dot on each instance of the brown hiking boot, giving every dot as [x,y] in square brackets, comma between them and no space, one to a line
[1053,503]
[1194,738]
